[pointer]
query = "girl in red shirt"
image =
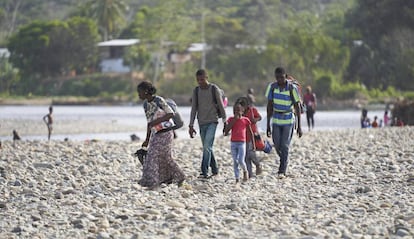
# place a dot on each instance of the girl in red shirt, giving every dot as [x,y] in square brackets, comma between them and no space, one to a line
[239,125]
[254,116]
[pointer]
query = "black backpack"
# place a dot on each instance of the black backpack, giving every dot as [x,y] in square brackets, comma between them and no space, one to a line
[178,121]
[214,88]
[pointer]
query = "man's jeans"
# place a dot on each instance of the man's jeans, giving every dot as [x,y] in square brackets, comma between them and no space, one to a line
[207,134]
[281,135]
[238,152]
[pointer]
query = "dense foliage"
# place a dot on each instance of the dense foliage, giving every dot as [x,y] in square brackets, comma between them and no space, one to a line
[343,49]
[384,56]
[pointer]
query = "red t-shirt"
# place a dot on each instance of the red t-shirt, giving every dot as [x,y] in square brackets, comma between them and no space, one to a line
[239,129]
[251,114]
[309,99]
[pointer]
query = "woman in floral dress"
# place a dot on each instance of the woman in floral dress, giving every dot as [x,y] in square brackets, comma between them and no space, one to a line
[159,166]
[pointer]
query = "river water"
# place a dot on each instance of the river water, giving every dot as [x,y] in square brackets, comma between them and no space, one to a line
[133,115]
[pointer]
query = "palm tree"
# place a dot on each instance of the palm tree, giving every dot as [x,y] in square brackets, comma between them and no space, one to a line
[108,14]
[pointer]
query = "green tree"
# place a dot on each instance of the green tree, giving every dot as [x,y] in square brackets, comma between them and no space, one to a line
[109,15]
[82,46]
[52,48]
[384,31]
[161,30]
[42,50]
[138,57]
[33,49]
[9,76]
[15,13]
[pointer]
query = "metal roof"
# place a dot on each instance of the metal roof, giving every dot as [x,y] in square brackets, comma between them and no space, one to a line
[119,42]
[194,47]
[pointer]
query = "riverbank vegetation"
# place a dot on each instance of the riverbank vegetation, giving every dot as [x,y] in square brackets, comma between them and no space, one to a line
[353,52]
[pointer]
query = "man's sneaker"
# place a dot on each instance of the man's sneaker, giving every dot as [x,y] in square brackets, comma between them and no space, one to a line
[237,180]
[281,175]
[202,176]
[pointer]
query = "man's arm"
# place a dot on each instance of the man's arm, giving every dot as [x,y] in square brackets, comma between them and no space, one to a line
[269,110]
[296,102]
[220,105]
[193,108]
[44,119]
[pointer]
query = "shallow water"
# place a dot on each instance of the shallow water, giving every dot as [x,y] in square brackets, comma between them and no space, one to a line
[133,115]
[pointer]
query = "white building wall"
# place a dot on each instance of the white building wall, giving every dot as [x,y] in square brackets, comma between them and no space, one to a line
[114,65]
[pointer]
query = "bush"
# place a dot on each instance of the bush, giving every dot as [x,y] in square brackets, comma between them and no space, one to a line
[324,86]
[409,95]
[350,91]
[96,85]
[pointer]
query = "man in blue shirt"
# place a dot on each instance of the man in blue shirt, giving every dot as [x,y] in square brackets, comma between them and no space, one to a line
[282,97]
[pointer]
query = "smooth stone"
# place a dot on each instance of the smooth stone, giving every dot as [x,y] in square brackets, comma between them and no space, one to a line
[17,230]
[104,223]
[58,195]
[43,165]
[103,235]
[173,203]
[402,232]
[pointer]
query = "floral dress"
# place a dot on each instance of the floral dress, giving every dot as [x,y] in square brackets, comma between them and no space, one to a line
[159,166]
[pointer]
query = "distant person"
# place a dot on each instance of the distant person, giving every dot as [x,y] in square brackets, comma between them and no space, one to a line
[367,123]
[134,137]
[374,123]
[310,102]
[203,107]
[386,119]
[250,96]
[239,126]
[280,116]
[48,119]
[159,166]
[364,118]
[254,116]
[16,135]
[398,122]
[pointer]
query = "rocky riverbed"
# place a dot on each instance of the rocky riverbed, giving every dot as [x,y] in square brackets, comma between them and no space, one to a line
[355,183]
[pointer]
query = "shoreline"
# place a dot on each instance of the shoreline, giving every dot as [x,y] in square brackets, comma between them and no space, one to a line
[349,183]
[80,101]
[118,123]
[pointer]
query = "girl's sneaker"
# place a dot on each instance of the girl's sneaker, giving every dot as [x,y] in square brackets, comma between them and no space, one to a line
[259,170]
